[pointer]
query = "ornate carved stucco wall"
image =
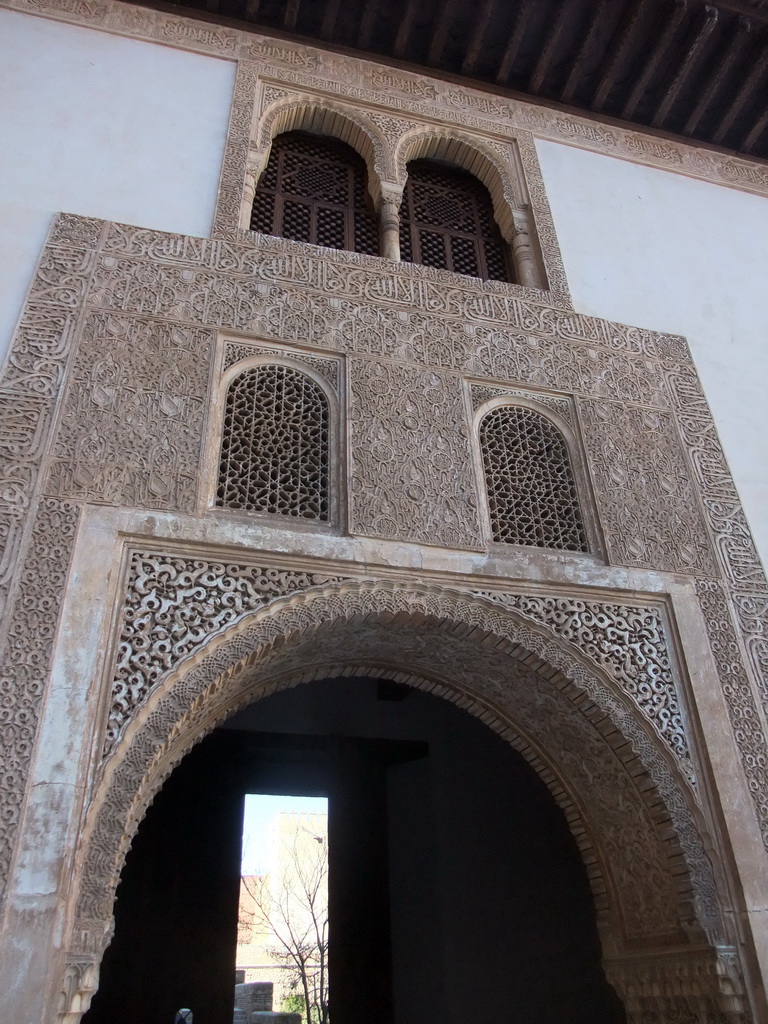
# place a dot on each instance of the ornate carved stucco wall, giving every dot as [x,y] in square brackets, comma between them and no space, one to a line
[144,366]
[108,404]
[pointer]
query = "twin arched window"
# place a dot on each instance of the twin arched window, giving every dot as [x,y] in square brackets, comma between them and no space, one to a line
[314,189]
[275,457]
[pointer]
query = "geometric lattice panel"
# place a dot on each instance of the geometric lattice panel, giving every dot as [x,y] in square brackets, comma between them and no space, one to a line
[446,221]
[274,448]
[531,490]
[314,190]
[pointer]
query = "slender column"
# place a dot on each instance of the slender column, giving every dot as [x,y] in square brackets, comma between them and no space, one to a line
[522,252]
[249,192]
[389,225]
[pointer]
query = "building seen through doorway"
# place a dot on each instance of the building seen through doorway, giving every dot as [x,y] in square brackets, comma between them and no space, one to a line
[282,927]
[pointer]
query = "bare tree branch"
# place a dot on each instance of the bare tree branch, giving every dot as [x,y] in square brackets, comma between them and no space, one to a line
[291,905]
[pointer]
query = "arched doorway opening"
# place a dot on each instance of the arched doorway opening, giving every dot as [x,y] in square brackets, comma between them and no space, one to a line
[628,804]
[457,889]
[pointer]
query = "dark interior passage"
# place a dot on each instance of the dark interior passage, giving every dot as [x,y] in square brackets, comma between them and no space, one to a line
[456,890]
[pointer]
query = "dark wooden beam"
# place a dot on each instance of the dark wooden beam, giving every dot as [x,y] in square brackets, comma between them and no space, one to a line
[577,67]
[707,22]
[657,55]
[513,45]
[330,17]
[370,13]
[735,107]
[714,82]
[753,135]
[476,42]
[617,52]
[291,15]
[544,62]
[213,6]
[444,15]
[404,32]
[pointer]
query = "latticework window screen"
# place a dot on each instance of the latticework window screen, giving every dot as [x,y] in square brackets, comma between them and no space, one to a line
[274,448]
[314,190]
[446,221]
[532,495]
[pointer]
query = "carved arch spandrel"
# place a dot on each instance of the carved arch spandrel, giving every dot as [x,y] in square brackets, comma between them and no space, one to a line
[253,657]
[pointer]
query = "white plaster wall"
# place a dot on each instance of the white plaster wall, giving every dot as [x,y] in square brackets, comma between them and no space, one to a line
[102,126]
[659,250]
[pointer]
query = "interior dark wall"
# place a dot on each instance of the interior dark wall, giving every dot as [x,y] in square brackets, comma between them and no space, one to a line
[459,861]
[176,909]
[491,910]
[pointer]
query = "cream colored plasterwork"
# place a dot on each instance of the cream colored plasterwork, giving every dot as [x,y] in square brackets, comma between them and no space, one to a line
[119,334]
[409,339]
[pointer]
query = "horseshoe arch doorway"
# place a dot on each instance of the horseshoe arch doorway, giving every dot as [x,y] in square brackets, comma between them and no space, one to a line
[456,888]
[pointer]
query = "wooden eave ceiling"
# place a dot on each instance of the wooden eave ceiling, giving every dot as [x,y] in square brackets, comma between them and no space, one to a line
[694,69]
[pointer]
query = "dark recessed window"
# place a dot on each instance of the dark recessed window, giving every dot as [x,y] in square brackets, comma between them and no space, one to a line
[446,221]
[314,189]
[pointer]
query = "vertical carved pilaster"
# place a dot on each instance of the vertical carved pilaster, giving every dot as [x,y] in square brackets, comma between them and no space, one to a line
[522,252]
[249,193]
[80,983]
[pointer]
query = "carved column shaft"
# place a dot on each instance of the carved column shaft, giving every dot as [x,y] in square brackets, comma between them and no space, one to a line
[522,252]
[249,193]
[389,229]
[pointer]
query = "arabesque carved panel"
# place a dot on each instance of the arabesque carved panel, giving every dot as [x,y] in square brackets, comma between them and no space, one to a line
[11,533]
[482,393]
[745,718]
[410,464]
[172,605]
[134,415]
[223,283]
[629,641]
[645,495]
[227,217]
[326,366]
[33,615]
